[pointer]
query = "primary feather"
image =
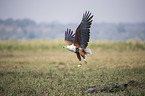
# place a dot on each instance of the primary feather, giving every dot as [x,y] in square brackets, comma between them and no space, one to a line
[82,33]
[83,30]
[69,36]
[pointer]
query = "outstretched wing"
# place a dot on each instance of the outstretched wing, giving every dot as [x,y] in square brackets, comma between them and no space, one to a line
[69,36]
[82,33]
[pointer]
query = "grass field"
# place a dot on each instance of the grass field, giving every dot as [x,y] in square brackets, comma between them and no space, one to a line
[44,68]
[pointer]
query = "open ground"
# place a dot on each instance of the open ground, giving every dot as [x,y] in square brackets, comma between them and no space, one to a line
[43,68]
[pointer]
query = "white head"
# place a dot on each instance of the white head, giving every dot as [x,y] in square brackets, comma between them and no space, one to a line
[71,48]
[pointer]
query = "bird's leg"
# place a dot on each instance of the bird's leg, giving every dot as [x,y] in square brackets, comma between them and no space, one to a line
[83,55]
[85,61]
[84,58]
[79,57]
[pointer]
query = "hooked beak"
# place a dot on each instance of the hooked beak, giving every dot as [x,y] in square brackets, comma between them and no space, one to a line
[64,46]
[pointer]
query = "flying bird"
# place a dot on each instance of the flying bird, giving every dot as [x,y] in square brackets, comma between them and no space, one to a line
[78,41]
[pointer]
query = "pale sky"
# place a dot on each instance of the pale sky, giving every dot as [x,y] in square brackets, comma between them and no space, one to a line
[71,11]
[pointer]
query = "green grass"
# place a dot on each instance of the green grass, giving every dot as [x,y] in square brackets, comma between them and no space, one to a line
[43,67]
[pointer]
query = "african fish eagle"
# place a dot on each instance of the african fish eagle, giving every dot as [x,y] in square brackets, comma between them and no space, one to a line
[79,40]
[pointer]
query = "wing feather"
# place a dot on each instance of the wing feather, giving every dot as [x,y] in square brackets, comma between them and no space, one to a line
[69,36]
[82,33]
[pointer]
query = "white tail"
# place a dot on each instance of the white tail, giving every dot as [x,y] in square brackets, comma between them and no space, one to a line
[88,51]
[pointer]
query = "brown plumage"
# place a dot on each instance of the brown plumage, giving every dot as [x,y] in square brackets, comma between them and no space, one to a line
[79,41]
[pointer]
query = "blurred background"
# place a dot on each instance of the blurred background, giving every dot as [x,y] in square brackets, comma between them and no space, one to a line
[114,20]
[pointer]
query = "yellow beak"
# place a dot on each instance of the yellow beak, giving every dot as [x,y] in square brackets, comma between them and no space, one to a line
[64,47]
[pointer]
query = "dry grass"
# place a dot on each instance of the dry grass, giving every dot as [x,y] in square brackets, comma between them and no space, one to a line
[54,71]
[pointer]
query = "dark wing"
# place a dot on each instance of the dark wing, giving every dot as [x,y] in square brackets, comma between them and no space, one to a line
[82,33]
[69,36]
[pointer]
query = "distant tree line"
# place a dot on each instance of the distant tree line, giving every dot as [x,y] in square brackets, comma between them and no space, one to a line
[26,29]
